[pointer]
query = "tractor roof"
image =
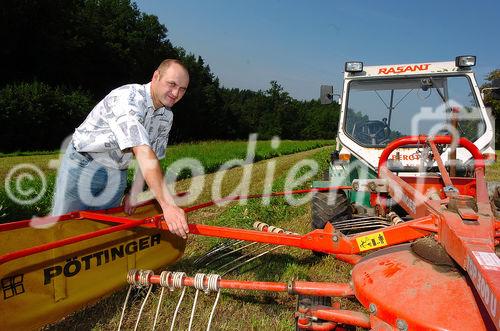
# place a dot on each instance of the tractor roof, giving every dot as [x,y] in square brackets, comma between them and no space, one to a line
[412,69]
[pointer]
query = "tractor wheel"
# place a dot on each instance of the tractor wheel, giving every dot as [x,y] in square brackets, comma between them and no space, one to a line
[494,193]
[323,211]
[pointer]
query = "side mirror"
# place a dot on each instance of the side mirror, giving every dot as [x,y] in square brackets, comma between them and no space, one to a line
[326,94]
[495,91]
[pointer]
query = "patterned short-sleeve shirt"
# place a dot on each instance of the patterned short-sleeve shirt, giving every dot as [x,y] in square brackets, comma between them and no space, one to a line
[125,118]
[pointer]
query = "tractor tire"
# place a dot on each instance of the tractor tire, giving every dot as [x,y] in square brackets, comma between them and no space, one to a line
[322,212]
[494,195]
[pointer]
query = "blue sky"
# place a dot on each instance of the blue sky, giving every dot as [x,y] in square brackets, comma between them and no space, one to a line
[303,44]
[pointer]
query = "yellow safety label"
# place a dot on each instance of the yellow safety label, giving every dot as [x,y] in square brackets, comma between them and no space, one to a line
[371,241]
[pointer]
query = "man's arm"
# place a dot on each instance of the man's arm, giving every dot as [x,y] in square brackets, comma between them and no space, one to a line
[152,174]
[130,199]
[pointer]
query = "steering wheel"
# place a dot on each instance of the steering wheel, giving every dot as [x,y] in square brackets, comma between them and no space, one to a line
[373,132]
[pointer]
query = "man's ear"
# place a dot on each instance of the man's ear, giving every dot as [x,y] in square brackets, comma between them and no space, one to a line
[156,75]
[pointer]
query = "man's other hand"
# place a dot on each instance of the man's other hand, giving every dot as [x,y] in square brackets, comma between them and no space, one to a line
[176,220]
[128,204]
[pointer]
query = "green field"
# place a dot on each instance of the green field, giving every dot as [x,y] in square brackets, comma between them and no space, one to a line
[211,154]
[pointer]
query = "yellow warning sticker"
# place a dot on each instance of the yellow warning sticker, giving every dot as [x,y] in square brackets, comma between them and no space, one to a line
[371,241]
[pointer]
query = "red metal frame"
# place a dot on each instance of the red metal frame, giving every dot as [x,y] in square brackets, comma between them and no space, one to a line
[127,223]
[67,241]
[295,287]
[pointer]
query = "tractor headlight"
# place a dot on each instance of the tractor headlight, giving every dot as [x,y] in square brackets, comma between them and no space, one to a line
[354,66]
[465,61]
[344,156]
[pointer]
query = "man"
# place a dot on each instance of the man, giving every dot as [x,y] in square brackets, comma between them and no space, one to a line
[131,120]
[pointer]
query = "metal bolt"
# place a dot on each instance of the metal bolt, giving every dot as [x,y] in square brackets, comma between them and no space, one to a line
[355,186]
[401,324]
[335,238]
[372,308]
[372,186]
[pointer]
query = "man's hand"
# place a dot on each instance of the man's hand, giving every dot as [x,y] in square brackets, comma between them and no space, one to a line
[176,220]
[128,204]
[152,174]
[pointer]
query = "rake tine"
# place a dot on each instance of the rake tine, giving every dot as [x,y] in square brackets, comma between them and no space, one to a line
[229,253]
[217,249]
[359,217]
[214,251]
[211,251]
[362,228]
[359,220]
[344,225]
[250,260]
[243,256]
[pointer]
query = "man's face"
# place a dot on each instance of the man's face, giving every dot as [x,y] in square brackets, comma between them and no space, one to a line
[169,86]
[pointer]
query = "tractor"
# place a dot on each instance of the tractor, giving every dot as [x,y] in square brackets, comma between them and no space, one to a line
[382,103]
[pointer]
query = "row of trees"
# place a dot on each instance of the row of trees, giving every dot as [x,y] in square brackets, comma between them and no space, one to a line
[62,56]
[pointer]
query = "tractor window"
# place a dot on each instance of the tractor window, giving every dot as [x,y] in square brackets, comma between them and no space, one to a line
[379,111]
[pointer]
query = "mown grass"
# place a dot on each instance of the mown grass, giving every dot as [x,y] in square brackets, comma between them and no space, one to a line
[211,154]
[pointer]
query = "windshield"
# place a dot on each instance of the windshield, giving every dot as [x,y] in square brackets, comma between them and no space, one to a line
[379,111]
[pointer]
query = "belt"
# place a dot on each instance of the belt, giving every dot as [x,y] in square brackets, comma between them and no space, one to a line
[84,154]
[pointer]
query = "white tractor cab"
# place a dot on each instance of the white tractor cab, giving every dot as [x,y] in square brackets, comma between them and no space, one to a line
[382,103]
